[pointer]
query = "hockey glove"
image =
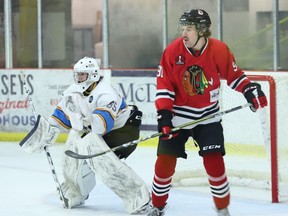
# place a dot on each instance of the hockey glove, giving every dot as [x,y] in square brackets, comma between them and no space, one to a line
[164,119]
[255,96]
[43,134]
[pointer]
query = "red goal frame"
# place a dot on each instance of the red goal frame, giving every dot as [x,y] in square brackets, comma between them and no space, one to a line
[273,133]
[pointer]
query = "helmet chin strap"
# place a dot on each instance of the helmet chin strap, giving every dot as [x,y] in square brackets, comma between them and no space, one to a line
[197,40]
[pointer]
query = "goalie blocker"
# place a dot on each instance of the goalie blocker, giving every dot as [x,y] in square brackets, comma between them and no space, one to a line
[43,134]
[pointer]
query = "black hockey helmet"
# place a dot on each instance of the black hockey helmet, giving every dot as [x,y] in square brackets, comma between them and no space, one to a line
[197,17]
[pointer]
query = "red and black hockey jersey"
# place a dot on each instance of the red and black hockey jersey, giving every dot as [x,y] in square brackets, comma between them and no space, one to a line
[189,86]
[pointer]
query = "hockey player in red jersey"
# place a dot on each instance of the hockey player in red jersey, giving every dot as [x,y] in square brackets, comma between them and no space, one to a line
[188,83]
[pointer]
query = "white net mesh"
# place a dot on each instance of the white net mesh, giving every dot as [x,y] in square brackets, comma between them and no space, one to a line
[247,142]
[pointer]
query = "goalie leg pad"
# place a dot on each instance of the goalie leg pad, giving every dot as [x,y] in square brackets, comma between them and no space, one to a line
[43,134]
[79,178]
[115,174]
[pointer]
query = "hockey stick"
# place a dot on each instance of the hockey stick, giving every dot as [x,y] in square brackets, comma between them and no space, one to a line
[135,142]
[50,161]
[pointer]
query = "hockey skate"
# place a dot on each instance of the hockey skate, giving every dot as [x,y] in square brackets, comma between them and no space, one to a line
[223,212]
[156,211]
[144,209]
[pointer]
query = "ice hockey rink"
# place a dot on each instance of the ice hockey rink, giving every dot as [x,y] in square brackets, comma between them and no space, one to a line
[27,188]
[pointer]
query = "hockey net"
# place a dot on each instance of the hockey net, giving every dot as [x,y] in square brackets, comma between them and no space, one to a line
[256,143]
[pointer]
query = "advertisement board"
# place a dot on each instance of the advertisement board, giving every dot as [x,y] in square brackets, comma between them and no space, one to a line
[47,85]
[139,88]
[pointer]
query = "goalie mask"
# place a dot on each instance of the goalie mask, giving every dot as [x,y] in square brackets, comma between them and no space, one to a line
[86,72]
[199,18]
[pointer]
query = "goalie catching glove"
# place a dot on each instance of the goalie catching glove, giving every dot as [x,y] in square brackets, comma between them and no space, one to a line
[43,134]
[255,96]
[165,125]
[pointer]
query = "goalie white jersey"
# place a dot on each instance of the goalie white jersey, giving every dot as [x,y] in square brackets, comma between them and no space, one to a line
[101,106]
[91,103]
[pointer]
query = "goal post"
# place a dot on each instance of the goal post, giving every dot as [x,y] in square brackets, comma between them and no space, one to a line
[273,132]
[256,143]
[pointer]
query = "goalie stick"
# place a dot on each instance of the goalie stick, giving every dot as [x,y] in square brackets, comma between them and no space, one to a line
[135,142]
[50,161]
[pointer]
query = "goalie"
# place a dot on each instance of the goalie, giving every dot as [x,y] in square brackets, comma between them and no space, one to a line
[98,119]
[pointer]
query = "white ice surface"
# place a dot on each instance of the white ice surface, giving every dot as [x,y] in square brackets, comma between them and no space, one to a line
[27,188]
